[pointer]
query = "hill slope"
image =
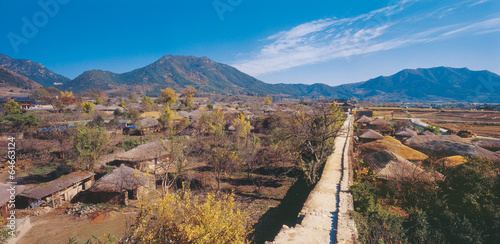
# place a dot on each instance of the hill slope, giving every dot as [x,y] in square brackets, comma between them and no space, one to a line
[32,70]
[11,78]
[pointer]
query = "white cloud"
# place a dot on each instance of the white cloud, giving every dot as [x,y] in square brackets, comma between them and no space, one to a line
[327,39]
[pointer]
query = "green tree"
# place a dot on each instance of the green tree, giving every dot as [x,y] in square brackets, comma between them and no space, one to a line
[169,96]
[13,107]
[188,96]
[123,104]
[89,145]
[87,107]
[132,98]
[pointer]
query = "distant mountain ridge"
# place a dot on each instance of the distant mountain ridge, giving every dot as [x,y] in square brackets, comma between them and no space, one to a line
[32,70]
[178,72]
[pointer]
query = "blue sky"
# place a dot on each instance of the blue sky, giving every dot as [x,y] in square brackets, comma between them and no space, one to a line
[278,41]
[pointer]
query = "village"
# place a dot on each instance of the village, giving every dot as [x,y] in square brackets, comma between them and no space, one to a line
[91,161]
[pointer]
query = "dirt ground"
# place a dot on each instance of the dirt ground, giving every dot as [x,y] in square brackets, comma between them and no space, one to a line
[59,228]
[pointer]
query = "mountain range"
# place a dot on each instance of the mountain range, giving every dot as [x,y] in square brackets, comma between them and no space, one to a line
[207,76]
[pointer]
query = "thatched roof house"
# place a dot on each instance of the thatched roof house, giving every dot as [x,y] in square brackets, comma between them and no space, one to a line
[390,166]
[380,122]
[120,185]
[370,135]
[405,132]
[492,145]
[148,123]
[58,190]
[427,133]
[6,191]
[145,156]
[364,120]
[393,145]
[449,146]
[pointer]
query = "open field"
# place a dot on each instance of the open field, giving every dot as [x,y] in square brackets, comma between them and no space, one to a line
[483,123]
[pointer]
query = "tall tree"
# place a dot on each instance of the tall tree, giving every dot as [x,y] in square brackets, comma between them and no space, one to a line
[89,145]
[169,96]
[188,96]
[313,132]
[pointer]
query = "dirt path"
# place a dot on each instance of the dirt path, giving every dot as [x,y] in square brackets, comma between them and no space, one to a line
[56,229]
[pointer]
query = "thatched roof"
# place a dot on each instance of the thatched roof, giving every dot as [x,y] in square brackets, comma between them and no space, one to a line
[364,119]
[406,132]
[449,146]
[5,193]
[148,122]
[56,185]
[493,145]
[370,134]
[452,161]
[390,166]
[120,179]
[144,152]
[392,145]
[415,140]
[380,122]
[427,133]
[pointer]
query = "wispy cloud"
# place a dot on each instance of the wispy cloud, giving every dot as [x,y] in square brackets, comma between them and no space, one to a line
[382,29]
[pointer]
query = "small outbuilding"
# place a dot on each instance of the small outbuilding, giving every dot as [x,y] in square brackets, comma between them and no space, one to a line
[363,121]
[59,190]
[145,156]
[380,124]
[120,186]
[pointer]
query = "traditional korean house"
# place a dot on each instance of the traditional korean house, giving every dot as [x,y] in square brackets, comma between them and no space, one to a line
[120,186]
[7,194]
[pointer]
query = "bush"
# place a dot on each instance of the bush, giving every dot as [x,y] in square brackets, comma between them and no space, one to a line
[188,219]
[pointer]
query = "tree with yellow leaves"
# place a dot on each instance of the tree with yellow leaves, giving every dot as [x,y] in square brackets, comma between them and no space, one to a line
[67,98]
[169,96]
[268,100]
[87,106]
[188,96]
[242,126]
[188,219]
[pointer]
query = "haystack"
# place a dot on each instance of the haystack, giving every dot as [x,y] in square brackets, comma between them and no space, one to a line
[492,145]
[452,161]
[364,120]
[392,145]
[390,166]
[370,135]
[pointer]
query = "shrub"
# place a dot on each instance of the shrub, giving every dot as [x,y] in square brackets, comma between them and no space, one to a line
[188,219]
